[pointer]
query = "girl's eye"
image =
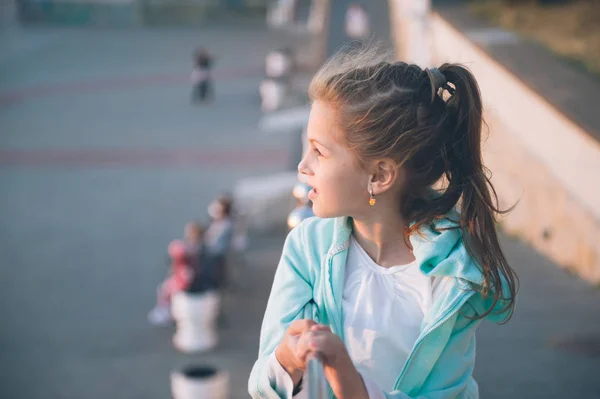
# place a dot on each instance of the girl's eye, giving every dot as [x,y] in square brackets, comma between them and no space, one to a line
[316,150]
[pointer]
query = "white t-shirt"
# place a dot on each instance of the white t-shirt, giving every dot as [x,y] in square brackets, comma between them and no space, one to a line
[383,310]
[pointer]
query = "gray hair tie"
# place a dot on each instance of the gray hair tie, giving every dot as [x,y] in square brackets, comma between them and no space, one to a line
[439,80]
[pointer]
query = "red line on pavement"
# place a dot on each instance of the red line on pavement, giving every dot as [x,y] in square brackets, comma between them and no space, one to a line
[90,158]
[115,83]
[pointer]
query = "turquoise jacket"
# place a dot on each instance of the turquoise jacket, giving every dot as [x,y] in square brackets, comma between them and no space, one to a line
[309,283]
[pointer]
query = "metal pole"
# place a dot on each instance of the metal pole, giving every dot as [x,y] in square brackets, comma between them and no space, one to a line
[314,377]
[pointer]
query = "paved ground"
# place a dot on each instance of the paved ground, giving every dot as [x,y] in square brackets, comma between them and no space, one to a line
[102,161]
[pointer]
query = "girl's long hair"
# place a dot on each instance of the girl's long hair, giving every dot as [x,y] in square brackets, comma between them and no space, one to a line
[429,121]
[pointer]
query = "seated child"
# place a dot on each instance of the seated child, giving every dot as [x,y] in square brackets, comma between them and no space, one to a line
[185,255]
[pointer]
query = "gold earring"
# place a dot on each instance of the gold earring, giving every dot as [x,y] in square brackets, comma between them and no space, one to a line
[372,200]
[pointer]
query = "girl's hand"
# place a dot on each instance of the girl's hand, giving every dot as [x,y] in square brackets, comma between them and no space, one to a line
[289,353]
[344,379]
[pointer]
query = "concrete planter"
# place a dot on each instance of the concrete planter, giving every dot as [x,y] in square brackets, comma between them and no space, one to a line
[199,382]
[195,316]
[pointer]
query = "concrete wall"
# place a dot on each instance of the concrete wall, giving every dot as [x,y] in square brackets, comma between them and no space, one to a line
[539,159]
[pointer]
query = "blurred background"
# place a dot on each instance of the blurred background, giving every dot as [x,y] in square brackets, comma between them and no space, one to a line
[122,120]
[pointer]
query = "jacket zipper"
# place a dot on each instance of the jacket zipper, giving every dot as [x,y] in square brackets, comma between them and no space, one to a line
[334,321]
[327,312]
[438,324]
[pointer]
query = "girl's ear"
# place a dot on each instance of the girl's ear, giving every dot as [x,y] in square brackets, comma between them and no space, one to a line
[386,174]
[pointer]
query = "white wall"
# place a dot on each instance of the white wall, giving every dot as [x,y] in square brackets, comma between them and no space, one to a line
[538,157]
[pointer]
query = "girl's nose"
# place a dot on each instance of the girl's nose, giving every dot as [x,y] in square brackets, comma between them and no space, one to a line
[303,169]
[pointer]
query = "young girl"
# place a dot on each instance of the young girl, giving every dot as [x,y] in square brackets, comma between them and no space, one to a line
[185,258]
[390,281]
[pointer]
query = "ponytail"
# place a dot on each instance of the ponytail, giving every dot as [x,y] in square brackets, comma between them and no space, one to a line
[478,201]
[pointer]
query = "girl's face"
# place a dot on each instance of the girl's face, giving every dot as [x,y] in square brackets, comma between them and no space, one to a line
[340,187]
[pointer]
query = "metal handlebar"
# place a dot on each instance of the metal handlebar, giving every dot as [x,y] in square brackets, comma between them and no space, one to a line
[314,377]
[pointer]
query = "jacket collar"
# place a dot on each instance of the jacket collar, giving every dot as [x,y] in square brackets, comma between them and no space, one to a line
[342,229]
[438,248]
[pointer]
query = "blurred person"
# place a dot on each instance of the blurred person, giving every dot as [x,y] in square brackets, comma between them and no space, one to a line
[201,77]
[357,22]
[209,274]
[391,279]
[219,234]
[185,260]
